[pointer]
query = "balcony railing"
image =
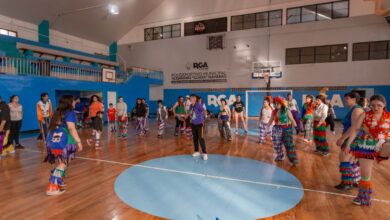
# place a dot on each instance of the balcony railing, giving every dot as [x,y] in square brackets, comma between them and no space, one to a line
[45,68]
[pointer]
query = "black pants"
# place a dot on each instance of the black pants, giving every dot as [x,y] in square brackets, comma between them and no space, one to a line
[179,123]
[14,132]
[198,137]
[330,121]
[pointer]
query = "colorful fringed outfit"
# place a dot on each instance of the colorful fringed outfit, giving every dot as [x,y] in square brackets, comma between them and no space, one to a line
[368,145]
[5,146]
[61,149]
[307,117]
[282,134]
[350,173]
[123,119]
[265,126]
[319,133]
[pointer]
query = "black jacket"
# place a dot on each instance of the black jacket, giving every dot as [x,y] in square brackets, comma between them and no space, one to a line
[5,114]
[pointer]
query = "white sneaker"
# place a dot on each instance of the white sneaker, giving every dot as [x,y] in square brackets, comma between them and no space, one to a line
[205,157]
[333,132]
[54,193]
[196,154]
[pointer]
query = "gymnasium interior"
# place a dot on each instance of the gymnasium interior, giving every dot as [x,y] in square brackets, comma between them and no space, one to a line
[213,55]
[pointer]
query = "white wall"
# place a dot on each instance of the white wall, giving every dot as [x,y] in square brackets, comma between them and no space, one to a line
[30,31]
[181,11]
[172,55]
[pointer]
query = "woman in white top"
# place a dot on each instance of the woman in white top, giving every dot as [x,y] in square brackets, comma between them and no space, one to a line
[265,120]
[16,111]
[121,109]
[294,108]
[320,114]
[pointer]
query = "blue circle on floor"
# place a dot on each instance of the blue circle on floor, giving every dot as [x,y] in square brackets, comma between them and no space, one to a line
[224,187]
[251,132]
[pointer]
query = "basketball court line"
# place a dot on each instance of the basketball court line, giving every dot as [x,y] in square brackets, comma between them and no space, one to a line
[215,177]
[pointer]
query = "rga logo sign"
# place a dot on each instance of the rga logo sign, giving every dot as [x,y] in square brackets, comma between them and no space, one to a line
[197,66]
[213,100]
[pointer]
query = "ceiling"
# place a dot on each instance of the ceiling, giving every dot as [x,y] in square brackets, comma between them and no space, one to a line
[94,24]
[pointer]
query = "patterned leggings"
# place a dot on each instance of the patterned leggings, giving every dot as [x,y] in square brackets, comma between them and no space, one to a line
[161,127]
[122,124]
[141,125]
[308,126]
[320,137]
[283,136]
[265,129]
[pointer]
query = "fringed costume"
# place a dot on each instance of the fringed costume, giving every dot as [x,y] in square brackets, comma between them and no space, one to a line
[319,133]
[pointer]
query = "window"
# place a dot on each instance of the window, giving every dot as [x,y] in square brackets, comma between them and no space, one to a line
[318,12]
[8,33]
[216,42]
[307,55]
[375,50]
[322,54]
[163,32]
[205,27]
[257,20]
[339,53]
[293,15]
[309,13]
[292,56]
[318,54]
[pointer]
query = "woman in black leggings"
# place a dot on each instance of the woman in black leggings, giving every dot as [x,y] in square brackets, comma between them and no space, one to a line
[16,110]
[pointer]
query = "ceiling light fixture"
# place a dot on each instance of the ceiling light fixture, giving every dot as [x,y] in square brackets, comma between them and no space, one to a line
[113,9]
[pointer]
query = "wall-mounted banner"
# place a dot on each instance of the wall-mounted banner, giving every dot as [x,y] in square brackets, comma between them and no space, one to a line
[199,77]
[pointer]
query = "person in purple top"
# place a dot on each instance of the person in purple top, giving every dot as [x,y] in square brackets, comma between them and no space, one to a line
[196,114]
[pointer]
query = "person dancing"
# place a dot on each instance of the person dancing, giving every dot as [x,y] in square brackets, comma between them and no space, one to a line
[224,120]
[238,114]
[265,120]
[294,108]
[320,114]
[349,170]
[179,113]
[372,133]
[282,132]
[123,119]
[307,118]
[196,113]
[140,112]
[162,118]
[62,143]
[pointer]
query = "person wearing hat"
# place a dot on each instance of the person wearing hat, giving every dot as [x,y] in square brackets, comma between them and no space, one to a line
[5,125]
[282,131]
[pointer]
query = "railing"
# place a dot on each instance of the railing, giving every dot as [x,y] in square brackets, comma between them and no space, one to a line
[46,68]
[147,73]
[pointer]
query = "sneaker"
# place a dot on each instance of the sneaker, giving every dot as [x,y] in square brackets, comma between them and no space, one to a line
[333,132]
[294,162]
[236,132]
[246,131]
[278,159]
[325,154]
[196,154]
[55,193]
[89,142]
[176,134]
[230,139]
[357,201]
[343,187]
[205,157]
[19,146]
[10,149]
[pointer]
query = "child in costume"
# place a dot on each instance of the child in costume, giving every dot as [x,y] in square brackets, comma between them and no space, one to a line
[98,126]
[282,132]
[162,118]
[5,125]
[265,120]
[224,120]
[62,143]
[111,116]
[179,113]
[95,107]
[140,111]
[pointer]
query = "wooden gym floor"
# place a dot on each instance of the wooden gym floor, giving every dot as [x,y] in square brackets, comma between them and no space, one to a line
[90,181]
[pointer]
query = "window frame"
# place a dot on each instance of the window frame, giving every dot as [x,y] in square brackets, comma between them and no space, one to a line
[315,54]
[8,31]
[172,30]
[369,50]
[256,20]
